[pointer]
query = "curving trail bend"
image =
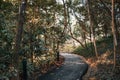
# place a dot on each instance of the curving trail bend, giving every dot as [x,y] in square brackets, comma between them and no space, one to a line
[73,68]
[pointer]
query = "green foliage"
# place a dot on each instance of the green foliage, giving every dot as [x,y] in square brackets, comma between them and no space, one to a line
[6,40]
[37,38]
[86,52]
[103,45]
[43,29]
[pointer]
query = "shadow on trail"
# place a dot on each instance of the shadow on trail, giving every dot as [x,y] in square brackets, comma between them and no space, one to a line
[73,68]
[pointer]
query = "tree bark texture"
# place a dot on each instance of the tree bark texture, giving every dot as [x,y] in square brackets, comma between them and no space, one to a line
[19,31]
[113,32]
[91,27]
[65,17]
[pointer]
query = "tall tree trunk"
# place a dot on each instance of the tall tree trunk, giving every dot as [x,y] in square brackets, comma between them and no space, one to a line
[91,27]
[31,47]
[65,17]
[113,31]
[19,31]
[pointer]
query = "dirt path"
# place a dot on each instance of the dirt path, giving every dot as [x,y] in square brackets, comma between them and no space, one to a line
[72,69]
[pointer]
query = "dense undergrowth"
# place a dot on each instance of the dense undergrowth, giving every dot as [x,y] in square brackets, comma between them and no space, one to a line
[103,45]
[102,68]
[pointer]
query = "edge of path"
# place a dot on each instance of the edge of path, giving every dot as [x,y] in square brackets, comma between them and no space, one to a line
[81,57]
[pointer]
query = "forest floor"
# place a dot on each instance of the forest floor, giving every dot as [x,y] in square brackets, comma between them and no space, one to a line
[72,69]
[101,69]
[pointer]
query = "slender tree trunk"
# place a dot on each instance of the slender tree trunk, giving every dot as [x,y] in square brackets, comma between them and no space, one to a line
[57,51]
[91,27]
[110,12]
[31,48]
[19,31]
[113,31]
[65,17]
[91,41]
